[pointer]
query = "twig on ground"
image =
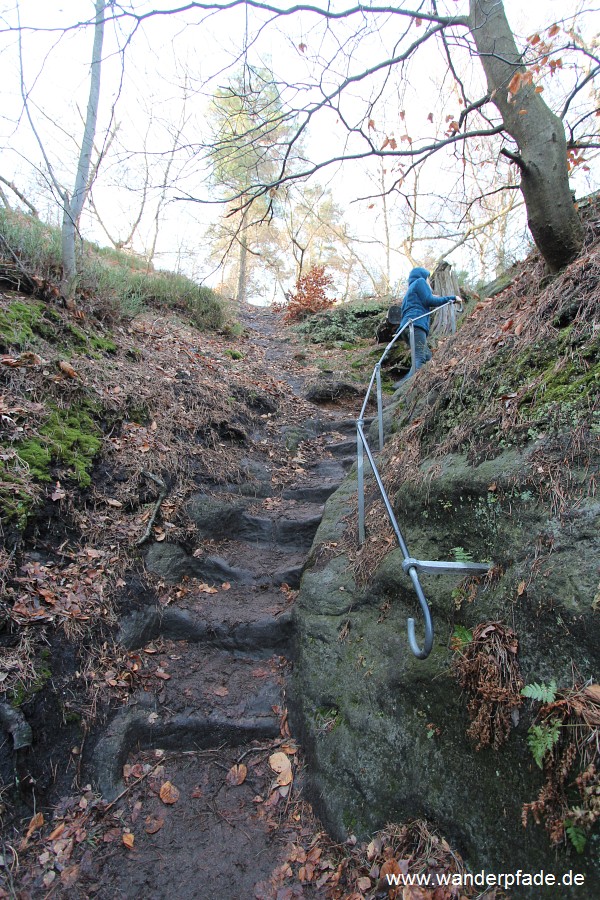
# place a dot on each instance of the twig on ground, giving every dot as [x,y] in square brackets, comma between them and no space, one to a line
[132,785]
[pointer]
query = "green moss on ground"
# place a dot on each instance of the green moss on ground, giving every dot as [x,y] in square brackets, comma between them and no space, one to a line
[24,691]
[23,322]
[16,502]
[70,437]
[18,324]
[91,340]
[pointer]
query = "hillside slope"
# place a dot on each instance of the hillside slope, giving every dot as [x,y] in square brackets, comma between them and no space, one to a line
[491,455]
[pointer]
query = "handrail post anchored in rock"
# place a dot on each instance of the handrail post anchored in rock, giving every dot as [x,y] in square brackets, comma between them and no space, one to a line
[360,467]
[410,565]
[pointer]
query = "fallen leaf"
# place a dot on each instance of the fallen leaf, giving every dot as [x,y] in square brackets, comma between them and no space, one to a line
[237,774]
[36,822]
[116,503]
[28,358]
[135,812]
[69,876]
[168,793]
[67,369]
[390,867]
[152,825]
[221,691]
[415,893]
[521,588]
[58,493]
[593,692]
[160,673]
[206,589]
[260,673]
[57,832]
[280,763]
[128,839]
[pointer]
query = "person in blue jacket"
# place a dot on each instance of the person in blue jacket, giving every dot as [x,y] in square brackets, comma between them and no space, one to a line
[418,300]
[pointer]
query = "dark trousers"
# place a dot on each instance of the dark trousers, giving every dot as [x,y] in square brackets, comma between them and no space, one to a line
[422,351]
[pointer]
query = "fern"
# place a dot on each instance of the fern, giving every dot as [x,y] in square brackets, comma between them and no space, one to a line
[460,637]
[576,835]
[545,693]
[462,555]
[542,738]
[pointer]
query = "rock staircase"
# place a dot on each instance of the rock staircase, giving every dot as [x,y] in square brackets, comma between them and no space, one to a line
[213,688]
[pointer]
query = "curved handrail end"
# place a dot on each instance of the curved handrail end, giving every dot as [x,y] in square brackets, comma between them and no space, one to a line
[412,639]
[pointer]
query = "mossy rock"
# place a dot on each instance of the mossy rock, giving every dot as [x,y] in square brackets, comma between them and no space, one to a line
[399,748]
[344,324]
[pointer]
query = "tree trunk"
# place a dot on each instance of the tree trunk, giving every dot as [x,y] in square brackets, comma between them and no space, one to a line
[243,262]
[538,133]
[73,205]
[444,283]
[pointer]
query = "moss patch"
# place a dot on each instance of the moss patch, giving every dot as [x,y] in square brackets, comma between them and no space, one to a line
[24,691]
[16,502]
[70,437]
[18,322]
[91,341]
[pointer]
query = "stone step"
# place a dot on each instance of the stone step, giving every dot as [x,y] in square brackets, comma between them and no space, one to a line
[217,840]
[343,448]
[192,698]
[261,636]
[271,565]
[311,493]
[294,526]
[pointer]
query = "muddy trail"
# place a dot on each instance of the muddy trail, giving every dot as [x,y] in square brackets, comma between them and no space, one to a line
[200,767]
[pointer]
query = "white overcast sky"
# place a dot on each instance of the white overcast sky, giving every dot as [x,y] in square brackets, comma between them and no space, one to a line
[163,50]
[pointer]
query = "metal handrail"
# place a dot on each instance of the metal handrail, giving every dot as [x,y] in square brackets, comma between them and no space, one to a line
[410,565]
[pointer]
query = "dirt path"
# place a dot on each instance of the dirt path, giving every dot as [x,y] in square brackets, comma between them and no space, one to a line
[201,813]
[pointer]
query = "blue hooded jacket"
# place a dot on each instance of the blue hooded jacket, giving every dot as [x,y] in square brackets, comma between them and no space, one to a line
[419,299]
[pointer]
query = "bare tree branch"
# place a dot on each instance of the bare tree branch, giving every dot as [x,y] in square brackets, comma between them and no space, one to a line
[20,195]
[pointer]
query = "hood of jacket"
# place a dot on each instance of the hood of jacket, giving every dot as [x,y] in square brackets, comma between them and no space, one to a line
[418,273]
